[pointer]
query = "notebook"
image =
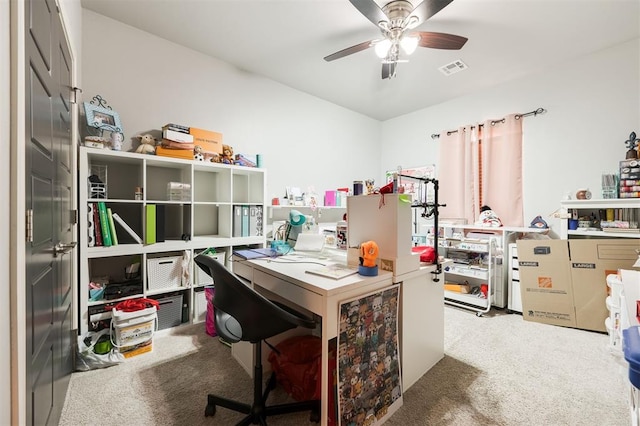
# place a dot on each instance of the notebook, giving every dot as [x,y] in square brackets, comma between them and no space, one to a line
[335,271]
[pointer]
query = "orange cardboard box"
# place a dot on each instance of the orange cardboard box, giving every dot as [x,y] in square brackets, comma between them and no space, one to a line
[457,288]
[210,142]
[185,154]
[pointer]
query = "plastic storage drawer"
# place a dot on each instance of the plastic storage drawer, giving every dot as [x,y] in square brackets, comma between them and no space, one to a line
[631,347]
[170,311]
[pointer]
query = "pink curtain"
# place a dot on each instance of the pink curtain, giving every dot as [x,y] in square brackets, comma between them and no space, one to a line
[457,171]
[502,168]
[482,165]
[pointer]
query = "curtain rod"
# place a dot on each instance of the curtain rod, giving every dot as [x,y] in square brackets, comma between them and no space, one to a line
[518,116]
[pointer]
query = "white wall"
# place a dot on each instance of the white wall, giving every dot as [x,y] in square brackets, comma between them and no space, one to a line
[71,11]
[5,191]
[592,104]
[150,82]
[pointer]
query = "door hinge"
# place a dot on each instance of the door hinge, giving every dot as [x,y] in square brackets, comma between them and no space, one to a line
[75,93]
[74,217]
[29,236]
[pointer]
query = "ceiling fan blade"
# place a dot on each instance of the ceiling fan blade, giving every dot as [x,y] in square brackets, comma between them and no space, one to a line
[349,50]
[440,40]
[425,10]
[370,10]
[388,70]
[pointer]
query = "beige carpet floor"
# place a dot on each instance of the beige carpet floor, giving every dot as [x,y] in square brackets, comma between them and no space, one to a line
[497,370]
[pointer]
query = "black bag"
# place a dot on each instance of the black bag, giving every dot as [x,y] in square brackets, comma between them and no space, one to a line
[116,290]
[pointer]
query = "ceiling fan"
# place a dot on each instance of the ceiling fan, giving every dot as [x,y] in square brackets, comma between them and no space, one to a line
[394,20]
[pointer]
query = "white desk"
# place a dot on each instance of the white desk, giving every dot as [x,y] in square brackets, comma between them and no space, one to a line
[421,311]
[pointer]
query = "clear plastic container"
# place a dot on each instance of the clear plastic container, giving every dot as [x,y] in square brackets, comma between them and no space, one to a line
[341,234]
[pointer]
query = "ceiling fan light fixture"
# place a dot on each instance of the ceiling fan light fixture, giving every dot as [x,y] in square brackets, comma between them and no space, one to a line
[382,48]
[409,44]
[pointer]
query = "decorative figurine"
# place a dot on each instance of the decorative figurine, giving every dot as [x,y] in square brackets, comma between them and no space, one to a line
[369,184]
[632,145]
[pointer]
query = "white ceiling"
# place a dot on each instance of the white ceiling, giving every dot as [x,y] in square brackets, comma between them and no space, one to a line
[286,41]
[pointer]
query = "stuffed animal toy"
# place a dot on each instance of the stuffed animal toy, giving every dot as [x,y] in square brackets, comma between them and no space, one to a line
[197,153]
[488,217]
[147,144]
[216,158]
[227,154]
[369,253]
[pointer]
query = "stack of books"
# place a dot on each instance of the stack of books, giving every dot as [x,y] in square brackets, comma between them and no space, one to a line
[177,141]
[102,229]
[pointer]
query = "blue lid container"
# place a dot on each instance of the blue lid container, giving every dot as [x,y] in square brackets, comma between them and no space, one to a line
[368,271]
[631,348]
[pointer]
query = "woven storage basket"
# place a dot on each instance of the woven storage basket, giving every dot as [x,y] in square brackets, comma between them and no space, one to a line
[164,272]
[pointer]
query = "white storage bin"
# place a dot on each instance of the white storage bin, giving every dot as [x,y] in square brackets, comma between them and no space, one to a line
[164,272]
[178,191]
[200,276]
[200,308]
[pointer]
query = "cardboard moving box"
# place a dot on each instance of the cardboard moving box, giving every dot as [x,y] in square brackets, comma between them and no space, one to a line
[545,282]
[563,282]
[591,262]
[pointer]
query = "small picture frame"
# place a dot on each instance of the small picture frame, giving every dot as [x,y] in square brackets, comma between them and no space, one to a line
[102,118]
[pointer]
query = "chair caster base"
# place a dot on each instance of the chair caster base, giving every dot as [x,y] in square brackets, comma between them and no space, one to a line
[210,410]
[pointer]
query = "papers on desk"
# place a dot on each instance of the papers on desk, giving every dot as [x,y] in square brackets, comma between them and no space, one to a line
[335,271]
[256,253]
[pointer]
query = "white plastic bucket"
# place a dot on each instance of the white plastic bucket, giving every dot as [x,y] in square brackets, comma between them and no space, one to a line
[133,328]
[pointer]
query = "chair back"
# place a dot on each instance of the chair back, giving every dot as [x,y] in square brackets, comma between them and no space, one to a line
[241,313]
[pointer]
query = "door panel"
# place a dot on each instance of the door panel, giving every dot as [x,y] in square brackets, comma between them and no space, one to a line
[49,197]
[43,387]
[41,111]
[63,357]
[39,24]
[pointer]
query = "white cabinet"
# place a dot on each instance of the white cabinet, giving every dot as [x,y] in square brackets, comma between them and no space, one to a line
[625,210]
[514,296]
[478,259]
[195,204]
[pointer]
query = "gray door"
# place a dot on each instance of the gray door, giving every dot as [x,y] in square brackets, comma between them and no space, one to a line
[49,265]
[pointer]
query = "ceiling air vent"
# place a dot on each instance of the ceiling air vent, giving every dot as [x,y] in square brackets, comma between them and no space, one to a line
[453,67]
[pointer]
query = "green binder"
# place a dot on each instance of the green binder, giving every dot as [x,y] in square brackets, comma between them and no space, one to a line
[150,224]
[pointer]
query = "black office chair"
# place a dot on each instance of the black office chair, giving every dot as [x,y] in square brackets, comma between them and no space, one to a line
[242,314]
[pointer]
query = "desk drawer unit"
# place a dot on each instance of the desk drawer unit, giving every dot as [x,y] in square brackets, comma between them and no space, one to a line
[241,269]
[294,293]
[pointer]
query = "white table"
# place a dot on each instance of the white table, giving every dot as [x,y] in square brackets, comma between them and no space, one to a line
[420,310]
